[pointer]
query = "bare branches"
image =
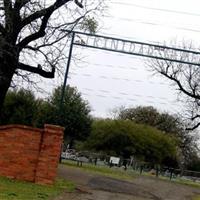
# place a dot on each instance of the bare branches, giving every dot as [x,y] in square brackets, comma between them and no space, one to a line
[45,14]
[35,32]
[186,78]
[20,3]
[8,11]
[36,15]
[195,117]
[37,70]
[174,78]
[7,6]
[78,3]
[193,127]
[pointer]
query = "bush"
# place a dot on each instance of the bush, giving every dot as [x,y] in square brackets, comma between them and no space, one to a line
[125,138]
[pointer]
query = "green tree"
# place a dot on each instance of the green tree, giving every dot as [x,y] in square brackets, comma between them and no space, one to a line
[141,114]
[152,117]
[125,138]
[44,113]
[19,108]
[168,124]
[194,164]
[73,114]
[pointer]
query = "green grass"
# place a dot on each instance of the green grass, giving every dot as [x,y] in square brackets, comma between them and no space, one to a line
[19,190]
[188,182]
[176,180]
[196,198]
[117,173]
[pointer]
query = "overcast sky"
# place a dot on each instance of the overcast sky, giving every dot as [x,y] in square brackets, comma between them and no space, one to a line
[109,80]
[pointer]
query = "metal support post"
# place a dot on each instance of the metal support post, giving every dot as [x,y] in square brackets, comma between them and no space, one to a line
[67,70]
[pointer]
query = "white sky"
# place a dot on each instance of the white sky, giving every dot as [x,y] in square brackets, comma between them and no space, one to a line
[109,80]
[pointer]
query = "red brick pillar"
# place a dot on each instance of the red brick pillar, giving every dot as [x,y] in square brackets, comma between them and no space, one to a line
[49,154]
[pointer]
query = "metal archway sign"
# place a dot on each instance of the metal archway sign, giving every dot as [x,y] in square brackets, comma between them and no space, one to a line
[136,48]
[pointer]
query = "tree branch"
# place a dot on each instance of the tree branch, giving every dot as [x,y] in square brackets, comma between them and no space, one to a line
[195,117]
[35,16]
[8,10]
[20,3]
[7,6]
[44,11]
[181,88]
[193,127]
[78,3]
[46,14]
[37,70]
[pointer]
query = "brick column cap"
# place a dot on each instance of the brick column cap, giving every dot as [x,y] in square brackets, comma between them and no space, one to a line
[10,126]
[54,127]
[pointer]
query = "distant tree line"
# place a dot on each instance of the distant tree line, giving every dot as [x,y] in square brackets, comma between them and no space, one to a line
[142,132]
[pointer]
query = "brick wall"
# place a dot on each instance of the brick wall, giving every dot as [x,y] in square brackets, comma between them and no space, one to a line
[30,154]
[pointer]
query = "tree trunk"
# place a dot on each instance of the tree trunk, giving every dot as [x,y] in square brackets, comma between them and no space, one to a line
[5,81]
[71,143]
[8,64]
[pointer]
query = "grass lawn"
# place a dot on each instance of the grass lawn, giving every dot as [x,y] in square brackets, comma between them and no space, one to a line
[103,170]
[189,183]
[196,198]
[119,173]
[19,190]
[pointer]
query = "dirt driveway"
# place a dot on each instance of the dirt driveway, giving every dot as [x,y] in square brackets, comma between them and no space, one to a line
[95,187]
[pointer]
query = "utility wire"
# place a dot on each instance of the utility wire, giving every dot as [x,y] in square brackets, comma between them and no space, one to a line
[152,23]
[131,99]
[116,78]
[107,66]
[156,9]
[130,38]
[128,94]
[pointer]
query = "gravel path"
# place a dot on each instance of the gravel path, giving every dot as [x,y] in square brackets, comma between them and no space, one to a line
[95,187]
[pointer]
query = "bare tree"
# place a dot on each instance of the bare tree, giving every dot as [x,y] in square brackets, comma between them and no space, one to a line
[33,35]
[185,78]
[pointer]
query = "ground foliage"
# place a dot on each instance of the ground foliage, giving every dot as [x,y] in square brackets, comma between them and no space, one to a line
[19,190]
